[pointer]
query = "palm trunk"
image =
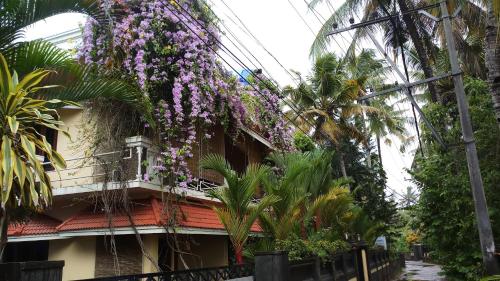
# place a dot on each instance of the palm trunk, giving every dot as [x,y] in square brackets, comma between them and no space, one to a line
[342,164]
[368,157]
[379,151]
[318,220]
[419,47]
[4,224]
[238,253]
[492,58]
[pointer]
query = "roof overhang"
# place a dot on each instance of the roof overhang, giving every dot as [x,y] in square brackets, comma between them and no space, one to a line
[257,137]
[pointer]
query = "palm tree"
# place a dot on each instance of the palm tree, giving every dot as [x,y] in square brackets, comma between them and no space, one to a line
[492,51]
[80,82]
[385,122]
[24,183]
[329,107]
[304,185]
[328,103]
[368,73]
[238,212]
[372,9]
[409,198]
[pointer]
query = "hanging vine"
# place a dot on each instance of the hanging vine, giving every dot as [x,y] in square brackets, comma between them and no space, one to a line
[172,59]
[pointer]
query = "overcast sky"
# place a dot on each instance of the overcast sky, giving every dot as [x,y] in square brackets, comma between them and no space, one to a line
[284,34]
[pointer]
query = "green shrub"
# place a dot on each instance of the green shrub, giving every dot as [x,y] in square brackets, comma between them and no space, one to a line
[298,248]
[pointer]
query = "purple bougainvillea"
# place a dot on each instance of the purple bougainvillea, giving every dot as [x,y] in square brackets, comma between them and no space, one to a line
[172,58]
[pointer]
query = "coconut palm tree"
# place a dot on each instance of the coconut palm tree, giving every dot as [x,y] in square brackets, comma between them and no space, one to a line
[327,103]
[372,9]
[80,82]
[416,32]
[24,184]
[329,106]
[368,73]
[238,212]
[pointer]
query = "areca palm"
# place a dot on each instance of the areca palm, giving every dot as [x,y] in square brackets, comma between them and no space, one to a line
[24,184]
[304,186]
[80,82]
[238,212]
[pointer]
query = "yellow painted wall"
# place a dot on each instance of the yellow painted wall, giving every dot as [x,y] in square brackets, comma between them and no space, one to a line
[150,242]
[78,254]
[206,250]
[72,148]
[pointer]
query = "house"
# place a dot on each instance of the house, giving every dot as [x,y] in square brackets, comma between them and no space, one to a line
[78,230]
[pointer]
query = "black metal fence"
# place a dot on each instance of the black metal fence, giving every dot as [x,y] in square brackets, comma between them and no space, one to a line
[342,266]
[359,264]
[31,271]
[203,274]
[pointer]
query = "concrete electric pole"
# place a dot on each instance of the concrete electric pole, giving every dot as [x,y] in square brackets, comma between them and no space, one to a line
[482,216]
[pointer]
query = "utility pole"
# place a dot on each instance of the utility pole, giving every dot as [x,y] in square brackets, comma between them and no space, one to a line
[482,216]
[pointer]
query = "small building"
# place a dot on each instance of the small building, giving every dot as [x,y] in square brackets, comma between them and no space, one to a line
[137,236]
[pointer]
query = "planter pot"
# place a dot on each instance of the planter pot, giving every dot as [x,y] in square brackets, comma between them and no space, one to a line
[31,271]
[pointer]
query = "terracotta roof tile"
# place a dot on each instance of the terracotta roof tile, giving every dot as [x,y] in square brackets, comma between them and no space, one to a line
[37,225]
[144,213]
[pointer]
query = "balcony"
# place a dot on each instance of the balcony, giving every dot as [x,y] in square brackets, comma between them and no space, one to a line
[123,168]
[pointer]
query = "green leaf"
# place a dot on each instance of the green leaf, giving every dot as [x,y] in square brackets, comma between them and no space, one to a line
[20,170]
[7,155]
[29,148]
[5,77]
[32,79]
[13,124]
[34,194]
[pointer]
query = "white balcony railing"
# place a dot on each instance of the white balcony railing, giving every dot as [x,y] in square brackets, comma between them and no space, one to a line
[133,166]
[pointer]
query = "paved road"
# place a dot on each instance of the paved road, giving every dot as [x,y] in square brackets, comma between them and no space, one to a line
[421,271]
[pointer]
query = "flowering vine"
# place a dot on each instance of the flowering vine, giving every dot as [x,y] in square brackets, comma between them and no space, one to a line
[172,58]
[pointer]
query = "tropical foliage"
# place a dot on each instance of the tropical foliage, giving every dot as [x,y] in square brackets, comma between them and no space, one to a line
[238,212]
[445,209]
[79,82]
[24,181]
[298,200]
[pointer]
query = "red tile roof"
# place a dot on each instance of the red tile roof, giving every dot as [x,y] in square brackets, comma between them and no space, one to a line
[143,213]
[37,225]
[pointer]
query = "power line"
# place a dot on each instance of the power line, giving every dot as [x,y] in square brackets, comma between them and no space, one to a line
[303,20]
[234,57]
[255,38]
[246,67]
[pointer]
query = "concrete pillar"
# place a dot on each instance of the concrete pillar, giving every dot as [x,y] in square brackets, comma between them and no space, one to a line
[150,256]
[272,266]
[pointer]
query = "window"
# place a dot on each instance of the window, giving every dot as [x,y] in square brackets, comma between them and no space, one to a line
[26,251]
[235,155]
[51,136]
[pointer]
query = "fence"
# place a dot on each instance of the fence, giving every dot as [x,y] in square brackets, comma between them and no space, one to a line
[359,265]
[356,265]
[31,271]
[382,267]
[204,274]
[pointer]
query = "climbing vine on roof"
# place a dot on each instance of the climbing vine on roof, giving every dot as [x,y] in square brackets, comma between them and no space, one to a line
[169,49]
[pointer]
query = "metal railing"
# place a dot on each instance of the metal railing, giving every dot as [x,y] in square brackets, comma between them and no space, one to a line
[135,164]
[202,274]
